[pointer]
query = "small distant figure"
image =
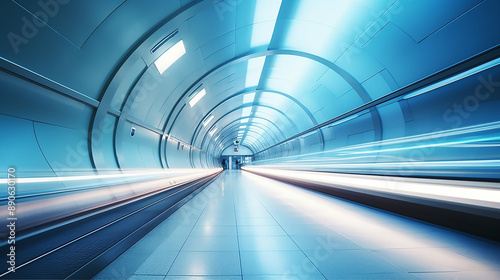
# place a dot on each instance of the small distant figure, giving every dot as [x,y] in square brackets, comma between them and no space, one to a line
[237,163]
[224,164]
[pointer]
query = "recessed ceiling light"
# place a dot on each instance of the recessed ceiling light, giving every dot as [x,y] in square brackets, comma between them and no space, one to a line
[197,97]
[170,57]
[213,131]
[208,120]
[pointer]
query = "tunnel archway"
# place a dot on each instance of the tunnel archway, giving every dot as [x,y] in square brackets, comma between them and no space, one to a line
[116,113]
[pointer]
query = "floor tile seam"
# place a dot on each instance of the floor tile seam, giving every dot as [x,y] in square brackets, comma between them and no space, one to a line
[307,256]
[211,275]
[189,234]
[300,249]
[237,232]
[377,252]
[455,271]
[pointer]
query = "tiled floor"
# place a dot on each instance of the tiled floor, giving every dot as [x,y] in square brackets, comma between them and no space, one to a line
[244,226]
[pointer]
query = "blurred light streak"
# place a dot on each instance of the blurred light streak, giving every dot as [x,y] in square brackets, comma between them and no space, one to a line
[477,193]
[455,78]
[164,173]
[364,226]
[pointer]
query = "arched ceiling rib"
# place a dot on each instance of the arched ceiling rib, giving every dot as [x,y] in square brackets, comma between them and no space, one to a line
[230,130]
[249,105]
[346,76]
[223,44]
[249,91]
[349,79]
[256,54]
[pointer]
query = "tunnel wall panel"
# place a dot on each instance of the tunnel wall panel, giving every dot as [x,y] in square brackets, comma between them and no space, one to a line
[28,100]
[446,129]
[177,157]
[463,103]
[29,160]
[393,120]
[65,149]
[196,156]
[410,22]
[377,86]
[139,151]
[108,143]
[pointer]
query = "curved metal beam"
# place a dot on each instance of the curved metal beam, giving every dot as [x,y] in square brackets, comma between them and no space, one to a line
[252,104]
[242,107]
[259,118]
[250,148]
[358,88]
[132,61]
[233,125]
[252,90]
[259,125]
[214,144]
[227,141]
[231,134]
[222,139]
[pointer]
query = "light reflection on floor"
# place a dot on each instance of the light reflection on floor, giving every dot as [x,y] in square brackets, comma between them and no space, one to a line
[244,226]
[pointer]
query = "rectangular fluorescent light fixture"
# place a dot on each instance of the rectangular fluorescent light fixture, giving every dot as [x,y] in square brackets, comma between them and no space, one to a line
[455,78]
[170,56]
[216,138]
[248,98]
[208,120]
[213,131]
[243,126]
[197,97]
[254,71]
[246,112]
[244,121]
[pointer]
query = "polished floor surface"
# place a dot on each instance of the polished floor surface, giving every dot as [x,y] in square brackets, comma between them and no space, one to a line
[244,226]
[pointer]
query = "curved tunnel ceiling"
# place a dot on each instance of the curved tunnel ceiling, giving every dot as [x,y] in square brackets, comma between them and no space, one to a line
[282,67]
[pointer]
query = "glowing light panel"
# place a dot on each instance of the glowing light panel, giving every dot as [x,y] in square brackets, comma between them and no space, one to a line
[170,56]
[208,120]
[448,192]
[197,97]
